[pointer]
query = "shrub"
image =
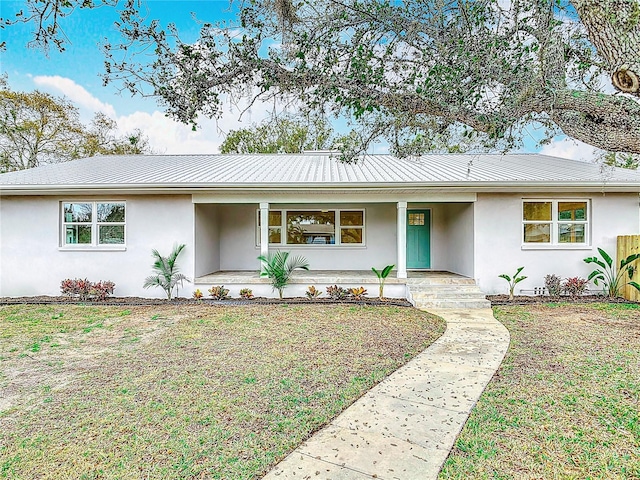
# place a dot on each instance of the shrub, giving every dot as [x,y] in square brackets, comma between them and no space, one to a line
[218,292]
[553,283]
[86,290]
[575,286]
[246,293]
[67,287]
[166,273]
[197,294]
[358,293]
[101,290]
[83,288]
[613,279]
[312,293]
[512,281]
[337,293]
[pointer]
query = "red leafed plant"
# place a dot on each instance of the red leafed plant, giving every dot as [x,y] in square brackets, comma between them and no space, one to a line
[83,289]
[575,286]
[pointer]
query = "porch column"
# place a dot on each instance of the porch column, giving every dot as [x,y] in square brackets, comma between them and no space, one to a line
[264,229]
[402,239]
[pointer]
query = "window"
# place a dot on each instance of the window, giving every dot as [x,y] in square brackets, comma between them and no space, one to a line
[314,227]
[555,222]
[416,219]
[93,224]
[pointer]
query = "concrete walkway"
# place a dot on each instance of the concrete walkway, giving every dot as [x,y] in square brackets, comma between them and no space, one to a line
[405,427]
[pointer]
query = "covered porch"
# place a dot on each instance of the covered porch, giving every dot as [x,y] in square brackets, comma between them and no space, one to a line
[425,236]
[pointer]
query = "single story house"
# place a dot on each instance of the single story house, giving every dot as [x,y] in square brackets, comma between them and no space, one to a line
[477,216]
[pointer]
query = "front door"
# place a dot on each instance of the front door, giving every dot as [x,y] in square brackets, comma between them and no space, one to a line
[418,238]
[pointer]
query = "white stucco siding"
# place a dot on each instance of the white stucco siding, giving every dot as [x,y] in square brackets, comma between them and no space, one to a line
[238,250]
[32,262]
[207,239]
[459,231]
[498,239]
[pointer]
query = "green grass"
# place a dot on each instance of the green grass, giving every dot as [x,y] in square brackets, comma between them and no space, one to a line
[190,392]
[564,404]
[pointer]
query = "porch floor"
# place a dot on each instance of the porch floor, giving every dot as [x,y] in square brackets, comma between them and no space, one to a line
[332,276]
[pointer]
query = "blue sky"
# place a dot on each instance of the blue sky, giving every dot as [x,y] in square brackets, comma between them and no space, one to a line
[76,72]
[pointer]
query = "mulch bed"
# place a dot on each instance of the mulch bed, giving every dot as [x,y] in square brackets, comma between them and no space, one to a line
[134,301]
[397,302]
[528,300]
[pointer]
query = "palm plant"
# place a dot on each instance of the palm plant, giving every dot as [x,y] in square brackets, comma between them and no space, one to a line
[166,274]
[613,280]
[513,281]
[279,267]
[382,276]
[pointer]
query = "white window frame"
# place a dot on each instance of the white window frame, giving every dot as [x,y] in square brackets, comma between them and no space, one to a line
[338,227]
[95,225]
[555,224]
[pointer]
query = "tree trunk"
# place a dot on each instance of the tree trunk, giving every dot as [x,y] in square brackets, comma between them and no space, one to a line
[614,29]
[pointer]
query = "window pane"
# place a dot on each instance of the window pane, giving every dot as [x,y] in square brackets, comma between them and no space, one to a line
[110,212]
[275,219]
[351,235]
[351,218]
[572,210]
[416,219]
[110,234]
[77,234]
[77,212]
[571,233]
[537,211]
[311,227]
[274,235]
[537,233]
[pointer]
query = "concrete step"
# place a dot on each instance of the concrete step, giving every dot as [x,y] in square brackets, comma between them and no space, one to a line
[444,288]
[452,303]
[441,281]
[447,294]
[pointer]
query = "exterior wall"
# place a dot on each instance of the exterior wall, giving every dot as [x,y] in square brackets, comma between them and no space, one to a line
[498,239]
[32,263]
[238,250]
[459,238]
[207,235]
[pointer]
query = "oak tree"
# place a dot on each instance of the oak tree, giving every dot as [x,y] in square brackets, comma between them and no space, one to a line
[408,71]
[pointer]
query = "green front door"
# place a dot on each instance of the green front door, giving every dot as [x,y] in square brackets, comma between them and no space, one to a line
[418,239]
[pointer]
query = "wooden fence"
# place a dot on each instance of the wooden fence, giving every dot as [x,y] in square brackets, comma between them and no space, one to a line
[628,245]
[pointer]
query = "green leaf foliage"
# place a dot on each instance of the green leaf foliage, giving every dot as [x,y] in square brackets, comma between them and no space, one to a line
[279,266]
[166,271]
[382,275]
[512,281]
[606,274]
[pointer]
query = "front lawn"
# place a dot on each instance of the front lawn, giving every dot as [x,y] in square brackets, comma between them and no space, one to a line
[564,404]
[185,392]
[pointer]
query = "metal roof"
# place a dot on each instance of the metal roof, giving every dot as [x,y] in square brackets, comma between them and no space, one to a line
[313,170]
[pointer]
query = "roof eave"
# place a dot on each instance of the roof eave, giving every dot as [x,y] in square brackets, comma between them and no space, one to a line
[187,188]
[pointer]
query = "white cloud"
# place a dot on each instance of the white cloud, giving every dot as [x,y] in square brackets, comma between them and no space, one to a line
[166,136]
[572,149]
[76,93]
